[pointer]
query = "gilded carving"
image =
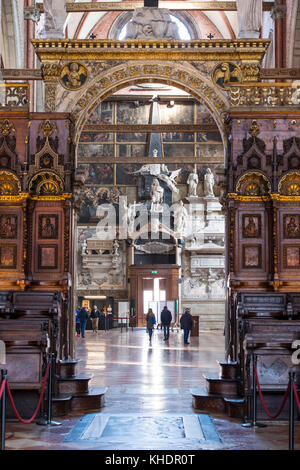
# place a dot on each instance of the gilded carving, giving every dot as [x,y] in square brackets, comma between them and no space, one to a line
[46,184]
[253,183]
[226,73]
[9,184]
[50,96]
[289,184]
[47,128]
[73,76]
[251,72]
[155,71]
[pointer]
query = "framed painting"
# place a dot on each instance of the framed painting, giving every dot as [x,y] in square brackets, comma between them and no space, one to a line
[8,226]
[131,113]
[251,226]
[48,256]
[251,257]
[48,226]
[132,137]
[291,257]
[8,256]
[131,150]
[291,226]
[182,113]
[102,114]
[100,174]
[92,151]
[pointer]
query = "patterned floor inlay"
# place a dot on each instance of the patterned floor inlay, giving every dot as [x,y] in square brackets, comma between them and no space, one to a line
[147,431]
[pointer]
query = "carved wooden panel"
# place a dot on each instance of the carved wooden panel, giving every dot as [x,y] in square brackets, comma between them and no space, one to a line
[48,240]
[251,249]
[289,241]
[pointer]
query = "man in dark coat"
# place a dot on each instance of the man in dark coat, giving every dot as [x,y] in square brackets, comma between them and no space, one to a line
[83,317]
[165,319]
[95,315]
[186,324]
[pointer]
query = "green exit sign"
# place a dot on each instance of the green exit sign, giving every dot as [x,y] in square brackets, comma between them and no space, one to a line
[153,272]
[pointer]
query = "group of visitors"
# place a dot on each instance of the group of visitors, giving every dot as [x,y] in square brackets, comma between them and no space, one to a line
[186,323]
[82,316]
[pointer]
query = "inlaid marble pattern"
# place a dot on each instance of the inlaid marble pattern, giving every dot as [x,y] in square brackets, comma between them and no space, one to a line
[155,430]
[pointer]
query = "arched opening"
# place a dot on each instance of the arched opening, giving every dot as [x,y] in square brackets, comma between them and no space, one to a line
[122,229]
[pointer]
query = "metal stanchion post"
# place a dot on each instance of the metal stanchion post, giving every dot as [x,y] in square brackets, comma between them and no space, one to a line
[254,423]
[50,391]
[291,411]
[3,410]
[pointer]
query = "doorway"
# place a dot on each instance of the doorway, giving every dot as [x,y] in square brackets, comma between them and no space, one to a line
[153,287]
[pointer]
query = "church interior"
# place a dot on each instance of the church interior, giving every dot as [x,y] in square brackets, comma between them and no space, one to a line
[149,158]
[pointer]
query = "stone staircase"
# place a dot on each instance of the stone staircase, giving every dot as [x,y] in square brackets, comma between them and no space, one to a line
[73,392]
[221,394]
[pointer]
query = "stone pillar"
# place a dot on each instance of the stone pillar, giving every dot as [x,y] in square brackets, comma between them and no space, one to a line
[249,18]
[278,14]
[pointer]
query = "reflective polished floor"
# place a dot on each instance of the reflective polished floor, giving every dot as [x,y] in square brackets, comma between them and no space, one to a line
[148,388]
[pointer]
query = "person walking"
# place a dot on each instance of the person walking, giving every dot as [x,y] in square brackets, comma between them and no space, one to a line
[151,320]
[95,315]
[83,317]
[77,322]
[186,324]
[166,318]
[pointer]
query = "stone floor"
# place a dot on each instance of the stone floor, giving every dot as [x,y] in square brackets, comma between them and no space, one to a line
[148,388]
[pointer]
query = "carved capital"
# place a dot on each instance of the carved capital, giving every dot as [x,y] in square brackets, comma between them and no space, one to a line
[51,72]
[278,11]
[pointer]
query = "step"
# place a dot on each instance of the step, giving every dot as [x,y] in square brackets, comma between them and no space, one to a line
[204,401]
[73,385]
[67,369]
[220,386]
[61,406]
[235,407]
[228,370]
[93,400]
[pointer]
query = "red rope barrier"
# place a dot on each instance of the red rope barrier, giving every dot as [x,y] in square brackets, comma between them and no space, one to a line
[39,402]
[296,396]
[2,388]
[263,401]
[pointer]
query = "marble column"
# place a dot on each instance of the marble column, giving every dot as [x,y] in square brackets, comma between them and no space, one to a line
[249,18]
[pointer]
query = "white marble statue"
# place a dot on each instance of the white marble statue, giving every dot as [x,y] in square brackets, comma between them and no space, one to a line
[180,218]
[131,213]
[116,247]
[160,171]
[152,23]
[157,194]
[249,18]
[52,22]
[209,182]
[192,182]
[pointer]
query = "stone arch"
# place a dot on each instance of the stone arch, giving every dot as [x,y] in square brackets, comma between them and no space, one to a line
[186,78]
